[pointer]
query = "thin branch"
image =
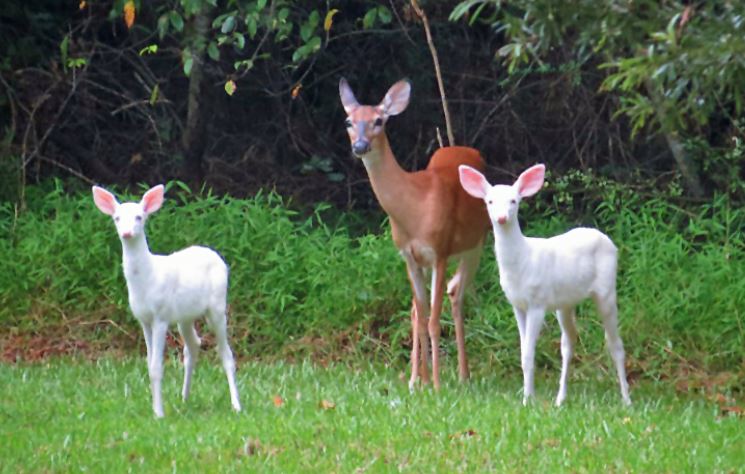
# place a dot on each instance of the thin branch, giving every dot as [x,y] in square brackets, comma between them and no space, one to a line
[438,74]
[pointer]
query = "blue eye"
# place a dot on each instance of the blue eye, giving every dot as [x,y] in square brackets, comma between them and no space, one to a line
[138,218]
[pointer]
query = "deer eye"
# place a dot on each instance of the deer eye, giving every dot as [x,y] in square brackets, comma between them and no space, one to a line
[512,201]
[348,123]
[378,122]
[116,219]
[490,201]
[138,218]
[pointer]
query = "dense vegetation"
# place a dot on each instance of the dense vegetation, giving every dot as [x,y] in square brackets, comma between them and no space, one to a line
[322,284]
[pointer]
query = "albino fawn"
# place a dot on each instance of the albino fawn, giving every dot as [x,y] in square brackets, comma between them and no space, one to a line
[555,274]
[163,289]
[432,219]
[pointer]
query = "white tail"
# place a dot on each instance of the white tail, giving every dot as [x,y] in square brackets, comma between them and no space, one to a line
[163,289]
[432,219]
[556,274]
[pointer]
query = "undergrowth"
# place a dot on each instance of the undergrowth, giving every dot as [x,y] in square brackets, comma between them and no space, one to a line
[304,284]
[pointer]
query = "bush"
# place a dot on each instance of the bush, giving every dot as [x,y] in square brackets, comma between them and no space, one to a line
[302,284]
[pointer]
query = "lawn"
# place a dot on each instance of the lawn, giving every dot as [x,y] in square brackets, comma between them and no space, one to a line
[76,415]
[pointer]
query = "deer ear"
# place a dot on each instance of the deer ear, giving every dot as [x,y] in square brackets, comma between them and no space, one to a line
[530,181]
[105,201]
[348,100]
[153,199]
[396,99]
[473,181]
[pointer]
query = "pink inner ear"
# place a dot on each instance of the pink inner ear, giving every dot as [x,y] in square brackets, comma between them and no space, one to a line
[153,199]
[472,181]
[531,180]
[104,200]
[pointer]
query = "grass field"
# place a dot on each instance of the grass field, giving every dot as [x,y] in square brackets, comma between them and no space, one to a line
[81,416]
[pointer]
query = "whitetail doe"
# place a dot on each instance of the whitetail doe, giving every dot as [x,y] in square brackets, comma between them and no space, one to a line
[163,289]
[555,274]
[432,219]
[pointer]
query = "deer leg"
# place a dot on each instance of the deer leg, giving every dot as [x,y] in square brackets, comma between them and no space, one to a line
[566,319]
[438,280]
[191,354]
[608,309]
[155,364]
[417,354]
[420,311]
[456,292]
[533,325]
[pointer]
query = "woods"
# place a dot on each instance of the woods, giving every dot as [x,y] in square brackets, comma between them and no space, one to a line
[240,95]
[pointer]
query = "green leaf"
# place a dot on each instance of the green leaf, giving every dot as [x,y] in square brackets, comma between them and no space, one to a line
[240,40]
[384,14]
[154,95]
[149,49]
[188,61]
[246,63]
[252,26]
[314,18]
[369,19]
[228,25]
[176,21]
[314,44]
[213,51]
[306,31]
[260,5]
[230,87]
[162,26]
[64,47]
[283,14]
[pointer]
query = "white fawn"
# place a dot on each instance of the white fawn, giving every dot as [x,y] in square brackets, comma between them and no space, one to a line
[555,274]
[432,219]
[163,289]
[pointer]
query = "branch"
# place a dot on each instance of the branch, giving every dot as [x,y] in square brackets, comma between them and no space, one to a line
[438,74]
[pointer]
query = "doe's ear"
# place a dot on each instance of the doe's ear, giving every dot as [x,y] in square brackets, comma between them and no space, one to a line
[105,201]
[530,181]
[473,181]
[153,199]
[348,100]
[396,99]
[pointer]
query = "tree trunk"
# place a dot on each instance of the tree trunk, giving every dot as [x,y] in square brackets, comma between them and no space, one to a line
[194,138]
[685,165]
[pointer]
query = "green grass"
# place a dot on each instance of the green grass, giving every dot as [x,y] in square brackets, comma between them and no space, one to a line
[80,416]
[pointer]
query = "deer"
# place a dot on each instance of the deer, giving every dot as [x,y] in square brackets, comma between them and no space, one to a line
[165,289]
[549,274]
[433,220]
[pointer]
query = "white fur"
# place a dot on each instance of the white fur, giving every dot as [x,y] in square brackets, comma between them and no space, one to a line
[164,289]
[555,274]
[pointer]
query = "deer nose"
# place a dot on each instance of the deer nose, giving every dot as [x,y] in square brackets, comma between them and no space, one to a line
[360,147]
[127,234]
[501,219]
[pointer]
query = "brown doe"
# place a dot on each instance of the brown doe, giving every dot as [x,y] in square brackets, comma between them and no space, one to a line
[432,220]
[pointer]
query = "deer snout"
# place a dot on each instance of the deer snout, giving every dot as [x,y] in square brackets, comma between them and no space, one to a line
[360,147]
[501,219]
[127,234]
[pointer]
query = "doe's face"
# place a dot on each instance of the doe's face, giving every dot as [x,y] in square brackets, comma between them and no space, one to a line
[502,203]
[129,219]
[364,124]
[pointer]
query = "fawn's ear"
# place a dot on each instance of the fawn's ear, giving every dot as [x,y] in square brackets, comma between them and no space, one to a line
[153,199]
[105,201]
[473,181]
[396,99]
[348,100]
[530,181]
